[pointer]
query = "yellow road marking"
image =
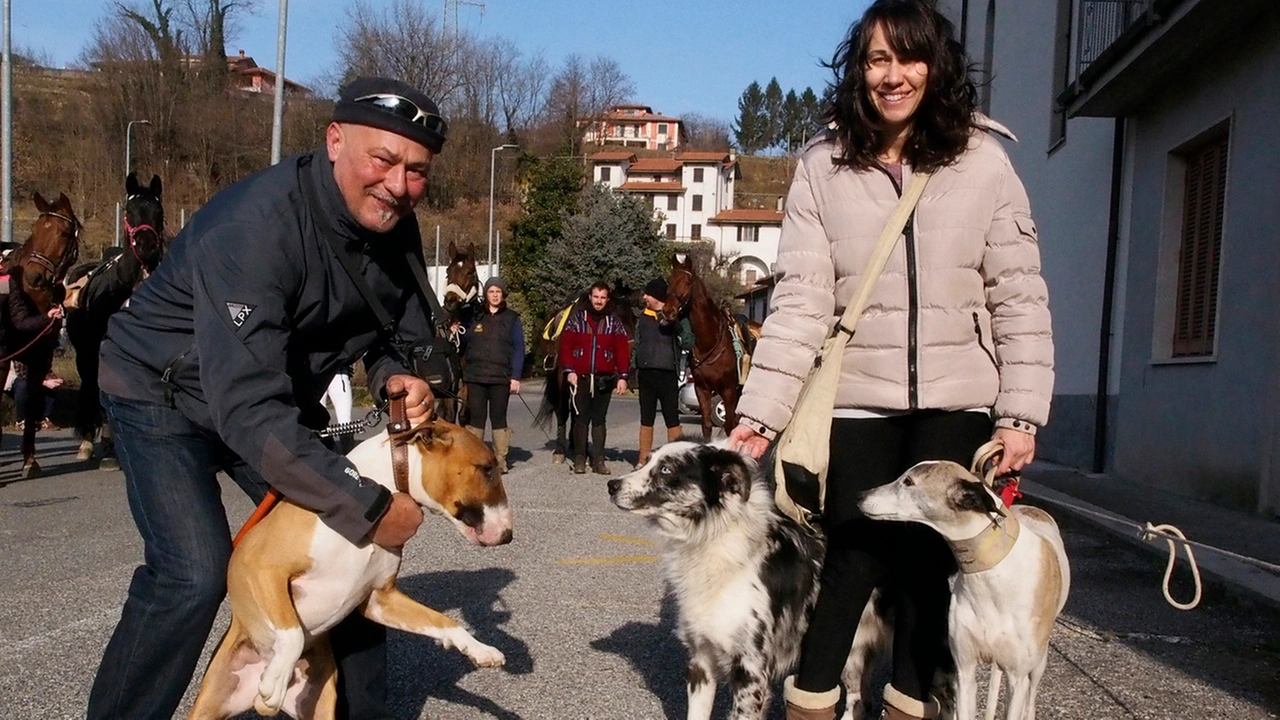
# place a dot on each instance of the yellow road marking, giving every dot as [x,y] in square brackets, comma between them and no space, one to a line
[604,560]
[625,539]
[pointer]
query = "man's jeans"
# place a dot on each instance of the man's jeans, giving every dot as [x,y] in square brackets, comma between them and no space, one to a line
[170,466]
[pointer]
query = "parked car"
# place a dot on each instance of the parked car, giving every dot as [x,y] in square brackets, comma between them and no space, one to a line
[689,397]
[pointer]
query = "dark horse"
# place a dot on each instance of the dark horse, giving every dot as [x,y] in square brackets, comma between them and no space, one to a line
[555,396]
[31,311]
[103,288]
[461,305]
[714,363]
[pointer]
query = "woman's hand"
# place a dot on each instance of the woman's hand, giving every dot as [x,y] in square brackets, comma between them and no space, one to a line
[515,386]
[55,312]
[746,440]
[1019,450]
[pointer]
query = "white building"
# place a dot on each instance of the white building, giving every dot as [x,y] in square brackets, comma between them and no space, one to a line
[1149,149]
[692,198]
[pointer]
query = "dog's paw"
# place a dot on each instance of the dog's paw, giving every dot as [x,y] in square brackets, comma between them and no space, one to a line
[484,656]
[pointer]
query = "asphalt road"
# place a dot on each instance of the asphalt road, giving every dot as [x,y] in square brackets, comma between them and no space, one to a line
[576,604]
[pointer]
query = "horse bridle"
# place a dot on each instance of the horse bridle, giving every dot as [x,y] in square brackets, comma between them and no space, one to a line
[68,258]
[683,307]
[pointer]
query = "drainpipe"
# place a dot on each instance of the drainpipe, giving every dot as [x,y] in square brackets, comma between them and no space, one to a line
[1100,424]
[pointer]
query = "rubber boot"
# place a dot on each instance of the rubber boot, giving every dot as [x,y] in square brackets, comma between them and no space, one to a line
[900,706]
[501,444]
[805,705]
[646,445]
[597,450]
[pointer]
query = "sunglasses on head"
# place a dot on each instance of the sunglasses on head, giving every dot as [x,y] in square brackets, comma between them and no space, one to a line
[407,109]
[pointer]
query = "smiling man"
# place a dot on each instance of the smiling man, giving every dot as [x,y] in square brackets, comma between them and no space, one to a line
[219,363]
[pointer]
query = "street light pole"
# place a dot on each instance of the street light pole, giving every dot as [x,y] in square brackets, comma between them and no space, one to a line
[493,158]
[6,131]
[277,111]
[128,162]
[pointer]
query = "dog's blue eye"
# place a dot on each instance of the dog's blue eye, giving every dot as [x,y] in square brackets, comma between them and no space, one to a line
[665,470]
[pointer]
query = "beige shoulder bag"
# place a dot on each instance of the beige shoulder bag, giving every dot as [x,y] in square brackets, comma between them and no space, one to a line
[803,449]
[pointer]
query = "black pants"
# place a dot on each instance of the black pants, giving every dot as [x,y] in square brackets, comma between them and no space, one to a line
[910,562]
[659,386]
[589,409]
[488,399]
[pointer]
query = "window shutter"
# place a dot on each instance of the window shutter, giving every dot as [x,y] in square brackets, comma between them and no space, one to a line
[1204,202]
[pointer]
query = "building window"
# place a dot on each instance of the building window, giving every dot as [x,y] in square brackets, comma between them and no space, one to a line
[697,174]
[1203,203]
[697,203]
[604,174]
[751,276]
[748,233]
[695,232]
[672,202]
[662,128]
[671,231]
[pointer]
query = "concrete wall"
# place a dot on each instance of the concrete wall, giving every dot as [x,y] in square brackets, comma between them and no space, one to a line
[1207,428]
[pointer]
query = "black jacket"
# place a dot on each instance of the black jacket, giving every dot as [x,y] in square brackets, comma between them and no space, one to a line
[656,345]
[494,347]
[249,317]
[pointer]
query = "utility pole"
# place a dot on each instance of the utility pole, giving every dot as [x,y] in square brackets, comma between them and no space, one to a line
[455,4]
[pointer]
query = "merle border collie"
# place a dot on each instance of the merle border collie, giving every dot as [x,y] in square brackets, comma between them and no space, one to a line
[744,576]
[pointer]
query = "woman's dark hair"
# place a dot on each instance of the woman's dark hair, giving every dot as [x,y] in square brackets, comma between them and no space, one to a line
[915,30]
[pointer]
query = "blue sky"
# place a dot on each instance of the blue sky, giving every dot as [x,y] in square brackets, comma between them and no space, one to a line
[682,56]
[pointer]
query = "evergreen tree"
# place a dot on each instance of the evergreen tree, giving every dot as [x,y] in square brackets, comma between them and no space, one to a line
[812,112]
[750,130]
[552,188]
[794,122]
[773,111]
[614,238]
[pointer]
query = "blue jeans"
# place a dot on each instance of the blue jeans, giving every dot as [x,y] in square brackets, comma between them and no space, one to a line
[170,467]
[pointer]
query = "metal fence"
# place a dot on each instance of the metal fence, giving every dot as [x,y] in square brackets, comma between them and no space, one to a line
[1102,22]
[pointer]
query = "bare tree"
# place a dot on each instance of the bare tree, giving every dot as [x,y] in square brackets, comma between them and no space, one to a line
[521,90]
[582,92]
[402,41]
[703,132]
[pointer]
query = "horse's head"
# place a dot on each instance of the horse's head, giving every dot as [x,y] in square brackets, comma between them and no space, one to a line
[462,283]
[51,251]
[144,220]
[680,284]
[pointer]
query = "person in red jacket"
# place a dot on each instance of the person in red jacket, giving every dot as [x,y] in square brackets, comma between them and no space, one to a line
[597,356]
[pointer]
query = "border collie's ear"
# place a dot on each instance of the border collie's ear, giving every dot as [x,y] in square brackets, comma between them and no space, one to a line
[972,496]
[730,472]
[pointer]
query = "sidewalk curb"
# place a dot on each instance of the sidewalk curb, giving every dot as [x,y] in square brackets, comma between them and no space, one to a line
[1252,582]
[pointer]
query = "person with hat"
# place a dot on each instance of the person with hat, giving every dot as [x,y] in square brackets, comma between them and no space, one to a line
[219,363]
[657,359]
[493,355]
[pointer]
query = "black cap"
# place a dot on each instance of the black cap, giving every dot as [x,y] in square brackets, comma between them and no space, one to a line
[656,289]
[393,106]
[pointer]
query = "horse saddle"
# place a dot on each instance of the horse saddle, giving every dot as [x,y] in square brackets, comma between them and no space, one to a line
[744,343]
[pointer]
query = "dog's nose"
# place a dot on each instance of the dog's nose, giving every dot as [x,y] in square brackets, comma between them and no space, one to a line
[506,537]
[614,486]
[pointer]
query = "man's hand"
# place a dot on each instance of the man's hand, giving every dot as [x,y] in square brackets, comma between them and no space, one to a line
[622,386]
[55,312]
[515,386]
[1019,450]
[420,401]
[398,524]
[572,378]
[744,439]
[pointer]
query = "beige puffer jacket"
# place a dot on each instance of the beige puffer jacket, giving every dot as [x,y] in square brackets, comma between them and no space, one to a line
[958,320]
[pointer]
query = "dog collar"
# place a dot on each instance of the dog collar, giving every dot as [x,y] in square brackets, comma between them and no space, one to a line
[989,547]
[399,429]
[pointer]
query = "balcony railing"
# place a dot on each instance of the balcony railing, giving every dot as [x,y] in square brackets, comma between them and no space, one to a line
[1102,22]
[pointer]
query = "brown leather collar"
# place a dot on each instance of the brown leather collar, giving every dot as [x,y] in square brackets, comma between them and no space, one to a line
[400,432]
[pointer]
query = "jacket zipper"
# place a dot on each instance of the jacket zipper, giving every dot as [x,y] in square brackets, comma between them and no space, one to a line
[977,329]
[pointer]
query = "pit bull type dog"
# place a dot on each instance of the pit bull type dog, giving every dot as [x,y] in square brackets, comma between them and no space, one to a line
[744,576]
[1013,581]
[291,579]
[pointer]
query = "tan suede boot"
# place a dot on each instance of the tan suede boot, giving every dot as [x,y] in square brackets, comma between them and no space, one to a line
[804,705]
[673,434]
[900,706]
[646,445]
[477,431]
[501,444]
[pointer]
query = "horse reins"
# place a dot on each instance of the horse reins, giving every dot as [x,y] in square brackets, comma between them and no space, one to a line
[68,258]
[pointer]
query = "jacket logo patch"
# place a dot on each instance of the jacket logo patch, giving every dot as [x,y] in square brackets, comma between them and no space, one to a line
[239,313]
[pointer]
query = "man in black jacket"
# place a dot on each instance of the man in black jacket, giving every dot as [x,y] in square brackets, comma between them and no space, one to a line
[220,360]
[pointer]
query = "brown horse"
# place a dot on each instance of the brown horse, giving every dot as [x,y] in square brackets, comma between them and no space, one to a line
[713,363]
[462,303]
[31,312]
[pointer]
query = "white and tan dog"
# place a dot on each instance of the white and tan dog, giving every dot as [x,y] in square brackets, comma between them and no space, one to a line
[292,578]
[1013,582]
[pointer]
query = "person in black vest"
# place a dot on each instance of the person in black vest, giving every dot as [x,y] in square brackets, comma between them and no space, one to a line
[218,364]
[657,358]
[494,361]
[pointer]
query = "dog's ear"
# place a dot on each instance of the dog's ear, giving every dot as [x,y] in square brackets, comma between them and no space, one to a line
[730,472]
[972,495]
[434,435]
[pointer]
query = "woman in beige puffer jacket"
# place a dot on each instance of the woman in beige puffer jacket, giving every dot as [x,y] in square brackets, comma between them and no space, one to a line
[954,346]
